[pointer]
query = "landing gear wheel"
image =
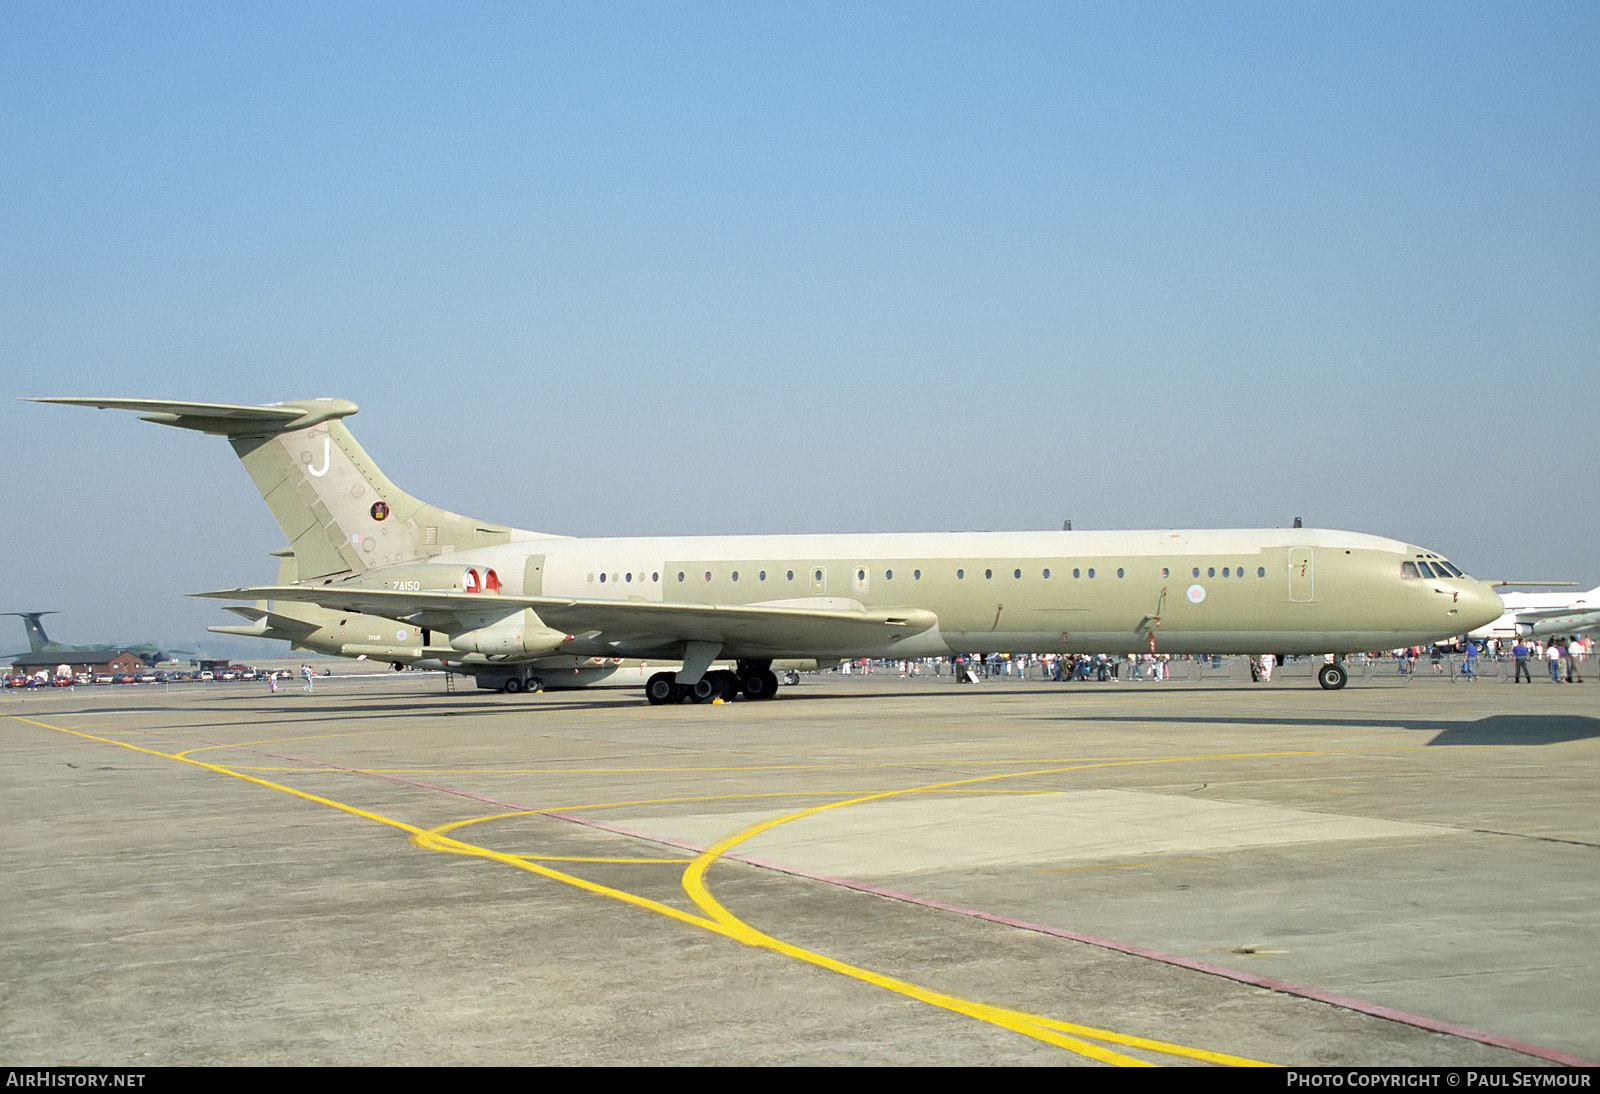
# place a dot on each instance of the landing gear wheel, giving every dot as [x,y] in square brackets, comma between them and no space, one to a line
[1333,676]
[791,678]
[704,690]
[513,686]
[726,683]
[662,688]
[760,685]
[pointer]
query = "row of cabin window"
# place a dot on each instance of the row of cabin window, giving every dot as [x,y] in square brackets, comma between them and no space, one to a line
[916,575]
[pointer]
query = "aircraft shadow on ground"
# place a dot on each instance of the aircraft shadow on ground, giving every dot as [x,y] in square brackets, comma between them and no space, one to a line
[1496,729]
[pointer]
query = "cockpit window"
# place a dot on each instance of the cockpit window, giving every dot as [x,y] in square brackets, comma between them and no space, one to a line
[1408,570]
[1442,565]
[1427,571]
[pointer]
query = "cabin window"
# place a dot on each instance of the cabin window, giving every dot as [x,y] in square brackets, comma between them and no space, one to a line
[1261,571]
[1211,571]
[602,579]
[817,576]
[1224,571]
[1091,571]
[762,576]
[680,575]
[988,575]
[1197,571]
[708,575]
[888,575]
[1017,574]
[861,575]
[628,577]
[1119,571]
[736,575]
[655,575]
[1075,572]
[916,575]
[960,574]
[1163,571]
[1047,573]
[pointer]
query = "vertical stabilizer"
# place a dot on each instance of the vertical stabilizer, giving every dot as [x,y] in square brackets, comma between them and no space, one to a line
[340,513]
[38,641]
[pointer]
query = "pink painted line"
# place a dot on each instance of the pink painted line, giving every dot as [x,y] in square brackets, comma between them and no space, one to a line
[1271,983]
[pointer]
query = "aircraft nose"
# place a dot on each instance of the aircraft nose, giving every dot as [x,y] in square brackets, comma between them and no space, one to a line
[1480,605]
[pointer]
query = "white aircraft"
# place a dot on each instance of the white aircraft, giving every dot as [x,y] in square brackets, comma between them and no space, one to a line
[1538,614]
[506,598]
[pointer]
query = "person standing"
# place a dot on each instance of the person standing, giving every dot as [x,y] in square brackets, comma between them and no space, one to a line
[1552,654]
[1574,674]
[310,677]
[1520,652]
[1469,667]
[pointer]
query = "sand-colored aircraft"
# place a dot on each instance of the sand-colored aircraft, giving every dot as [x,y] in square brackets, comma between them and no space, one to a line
[470,588]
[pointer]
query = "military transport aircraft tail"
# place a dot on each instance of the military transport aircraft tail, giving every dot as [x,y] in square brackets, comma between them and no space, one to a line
[341,513]
[38,641]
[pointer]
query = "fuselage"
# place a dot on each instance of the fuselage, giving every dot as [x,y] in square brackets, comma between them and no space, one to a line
[1205,591]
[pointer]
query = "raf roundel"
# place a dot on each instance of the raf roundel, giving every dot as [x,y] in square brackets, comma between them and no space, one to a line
[380,510]
[1197,593]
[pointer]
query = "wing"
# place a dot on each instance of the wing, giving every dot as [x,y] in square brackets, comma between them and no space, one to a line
[628,627]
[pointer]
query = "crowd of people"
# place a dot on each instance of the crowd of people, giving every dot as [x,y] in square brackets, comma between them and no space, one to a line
[1563,658]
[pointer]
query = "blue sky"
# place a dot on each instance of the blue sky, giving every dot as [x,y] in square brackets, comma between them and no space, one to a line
[658,269]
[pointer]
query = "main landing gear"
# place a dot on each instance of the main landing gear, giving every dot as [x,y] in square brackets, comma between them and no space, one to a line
[1333,675]
[752,679]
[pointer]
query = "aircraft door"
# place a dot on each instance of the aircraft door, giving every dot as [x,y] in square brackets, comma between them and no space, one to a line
[533,576]
[1300,574]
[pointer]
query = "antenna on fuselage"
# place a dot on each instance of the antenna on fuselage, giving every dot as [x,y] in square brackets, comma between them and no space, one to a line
[1297,523]
[1066,526]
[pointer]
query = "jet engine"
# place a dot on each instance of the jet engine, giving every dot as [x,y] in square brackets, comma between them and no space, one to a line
[515,636]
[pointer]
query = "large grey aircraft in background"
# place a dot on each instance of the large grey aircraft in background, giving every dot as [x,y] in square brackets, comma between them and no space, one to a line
[493,600]
[40,642]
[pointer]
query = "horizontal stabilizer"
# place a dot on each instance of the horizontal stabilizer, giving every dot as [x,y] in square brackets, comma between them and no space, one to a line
[226,419]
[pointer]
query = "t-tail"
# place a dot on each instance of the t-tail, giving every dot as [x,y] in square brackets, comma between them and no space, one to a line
[38,641]
[341,514]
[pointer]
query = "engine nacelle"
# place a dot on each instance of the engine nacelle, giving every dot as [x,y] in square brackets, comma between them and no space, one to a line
[520,634]
[433,577]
